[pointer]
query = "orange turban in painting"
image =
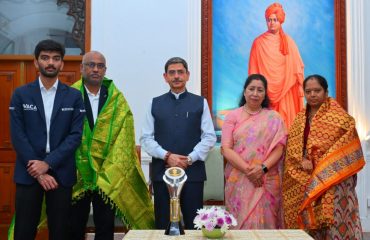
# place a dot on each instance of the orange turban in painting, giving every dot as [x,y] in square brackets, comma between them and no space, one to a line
[277,9]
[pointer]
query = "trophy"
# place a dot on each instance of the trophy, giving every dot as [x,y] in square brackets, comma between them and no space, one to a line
[175,178]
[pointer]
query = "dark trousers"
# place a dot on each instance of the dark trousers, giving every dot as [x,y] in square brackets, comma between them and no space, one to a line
[28,203]
[103,216]
[191,199]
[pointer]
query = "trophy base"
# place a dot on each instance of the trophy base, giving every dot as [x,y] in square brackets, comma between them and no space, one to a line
[174,229]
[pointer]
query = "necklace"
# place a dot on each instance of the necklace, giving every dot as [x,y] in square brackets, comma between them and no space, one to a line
[252,113]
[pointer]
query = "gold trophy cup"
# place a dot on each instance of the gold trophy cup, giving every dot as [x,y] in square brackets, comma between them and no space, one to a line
[175,178]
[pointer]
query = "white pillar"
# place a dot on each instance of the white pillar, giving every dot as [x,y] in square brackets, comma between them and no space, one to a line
[357,49]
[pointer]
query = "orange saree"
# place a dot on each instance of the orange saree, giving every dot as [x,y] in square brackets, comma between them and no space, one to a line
[323,201]
[284,73]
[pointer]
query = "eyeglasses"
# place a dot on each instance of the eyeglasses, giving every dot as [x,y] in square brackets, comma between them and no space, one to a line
[173,72]
[92,65]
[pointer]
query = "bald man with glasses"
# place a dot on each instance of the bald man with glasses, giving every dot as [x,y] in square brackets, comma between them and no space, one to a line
[109,174]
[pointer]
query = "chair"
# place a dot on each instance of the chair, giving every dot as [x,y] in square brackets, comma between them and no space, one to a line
[214,186]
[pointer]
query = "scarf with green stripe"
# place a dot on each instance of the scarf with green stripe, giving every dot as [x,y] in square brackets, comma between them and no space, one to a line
[107,161]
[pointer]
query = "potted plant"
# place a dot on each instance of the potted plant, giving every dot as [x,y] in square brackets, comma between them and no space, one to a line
[214,221]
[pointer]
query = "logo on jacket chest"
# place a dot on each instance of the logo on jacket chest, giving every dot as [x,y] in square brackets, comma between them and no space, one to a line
[29,107]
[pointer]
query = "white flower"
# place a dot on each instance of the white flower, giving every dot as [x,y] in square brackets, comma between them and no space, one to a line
[214,217]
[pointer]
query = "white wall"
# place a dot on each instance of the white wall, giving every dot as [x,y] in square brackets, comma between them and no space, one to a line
[137,37]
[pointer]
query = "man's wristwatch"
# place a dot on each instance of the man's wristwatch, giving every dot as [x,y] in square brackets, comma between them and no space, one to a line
[190,161]
[264,168]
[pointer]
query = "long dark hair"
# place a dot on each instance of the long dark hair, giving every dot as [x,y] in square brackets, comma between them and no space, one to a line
[266,101]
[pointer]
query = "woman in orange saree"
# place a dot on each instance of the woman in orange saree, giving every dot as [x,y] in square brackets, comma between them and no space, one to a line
[322,158]
[253,139]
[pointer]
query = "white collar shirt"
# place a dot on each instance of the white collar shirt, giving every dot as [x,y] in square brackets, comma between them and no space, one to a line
[94,102]
[177,95]
[48,97]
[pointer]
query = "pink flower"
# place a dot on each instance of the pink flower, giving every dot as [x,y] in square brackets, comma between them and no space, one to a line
[220,222]
[204,217]
[209,226]
[228,220]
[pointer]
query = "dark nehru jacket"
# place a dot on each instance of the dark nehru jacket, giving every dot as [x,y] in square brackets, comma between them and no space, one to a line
[177,128]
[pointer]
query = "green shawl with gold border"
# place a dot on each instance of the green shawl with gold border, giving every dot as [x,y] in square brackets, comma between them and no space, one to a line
[107,161]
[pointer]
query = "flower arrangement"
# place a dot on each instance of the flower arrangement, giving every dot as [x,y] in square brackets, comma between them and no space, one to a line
[214,217]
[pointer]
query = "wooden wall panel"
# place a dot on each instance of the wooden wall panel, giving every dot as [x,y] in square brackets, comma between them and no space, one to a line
[10,74]
[7,192]
[71,72]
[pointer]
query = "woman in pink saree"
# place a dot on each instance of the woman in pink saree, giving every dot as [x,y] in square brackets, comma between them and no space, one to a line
[253,140]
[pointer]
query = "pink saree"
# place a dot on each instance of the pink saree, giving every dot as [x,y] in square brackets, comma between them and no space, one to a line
[254,139]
